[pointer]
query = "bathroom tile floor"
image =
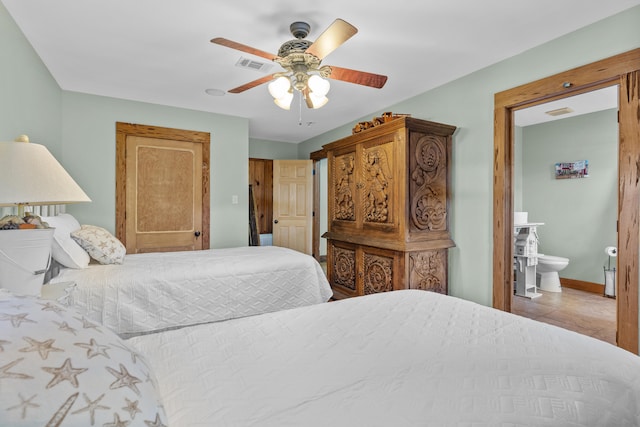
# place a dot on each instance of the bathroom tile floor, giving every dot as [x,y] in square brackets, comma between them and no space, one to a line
[584,312]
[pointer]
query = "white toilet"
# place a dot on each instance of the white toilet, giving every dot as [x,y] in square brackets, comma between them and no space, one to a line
[547,269]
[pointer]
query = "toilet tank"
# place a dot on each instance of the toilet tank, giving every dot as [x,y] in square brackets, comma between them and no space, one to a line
[520,217]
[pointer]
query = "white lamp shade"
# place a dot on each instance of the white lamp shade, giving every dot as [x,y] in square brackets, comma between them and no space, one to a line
[317,100]
[284,101]
[30,175]
[318,85]
[279,87]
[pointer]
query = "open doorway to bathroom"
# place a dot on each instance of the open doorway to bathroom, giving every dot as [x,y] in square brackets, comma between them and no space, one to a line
[622,70]
[577,217]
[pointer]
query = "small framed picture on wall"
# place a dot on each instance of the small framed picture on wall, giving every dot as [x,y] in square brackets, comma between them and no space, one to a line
[567,170]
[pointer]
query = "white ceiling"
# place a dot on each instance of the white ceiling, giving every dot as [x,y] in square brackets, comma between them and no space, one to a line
[159,51]
[597,100]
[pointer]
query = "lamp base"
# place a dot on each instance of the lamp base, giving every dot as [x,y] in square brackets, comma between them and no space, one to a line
[24,259]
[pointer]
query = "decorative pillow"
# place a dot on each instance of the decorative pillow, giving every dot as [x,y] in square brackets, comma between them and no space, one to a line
[64,249]
[100,244]
[61,369]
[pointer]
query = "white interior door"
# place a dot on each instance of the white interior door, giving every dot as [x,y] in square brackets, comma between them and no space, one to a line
[293,204]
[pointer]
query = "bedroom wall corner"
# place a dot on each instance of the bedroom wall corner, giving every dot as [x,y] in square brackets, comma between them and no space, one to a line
[31,98]
[275,150]
[89,144]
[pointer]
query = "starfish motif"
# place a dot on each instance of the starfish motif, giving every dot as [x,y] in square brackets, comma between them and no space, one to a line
[132,408]
[94,349]
[124,379]
[87,324]
[116,422]
[3,343]
[49,306]
[64,326]
[92,406]
[66,372]
[24,405]
[156,423]
[42,347]
[4,371]
[134,355]
[59,416]
[16,319]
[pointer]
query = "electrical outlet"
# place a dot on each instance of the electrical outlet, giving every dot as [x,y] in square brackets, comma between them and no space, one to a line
[234,200]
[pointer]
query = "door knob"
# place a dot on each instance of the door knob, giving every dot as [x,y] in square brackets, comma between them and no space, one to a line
[275,221]
[197,234]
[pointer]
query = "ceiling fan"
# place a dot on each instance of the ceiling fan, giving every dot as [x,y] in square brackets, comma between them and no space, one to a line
[301,60]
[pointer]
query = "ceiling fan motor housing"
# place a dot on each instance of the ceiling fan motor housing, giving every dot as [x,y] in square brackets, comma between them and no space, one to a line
[297,45]
[299,29]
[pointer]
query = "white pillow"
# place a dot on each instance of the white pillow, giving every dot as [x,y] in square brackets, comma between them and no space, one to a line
[64,249]
[62,369]
[101,245]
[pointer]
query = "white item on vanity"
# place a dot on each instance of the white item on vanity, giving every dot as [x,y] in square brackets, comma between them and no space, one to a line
[525,255]
[548,268]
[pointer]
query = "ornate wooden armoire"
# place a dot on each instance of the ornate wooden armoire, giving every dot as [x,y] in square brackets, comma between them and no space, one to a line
[389,193]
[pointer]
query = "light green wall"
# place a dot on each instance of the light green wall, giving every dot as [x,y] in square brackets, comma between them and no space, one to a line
[29,97]
[517,167]
[579,215]
[89,125]
[468,104]
[265,149]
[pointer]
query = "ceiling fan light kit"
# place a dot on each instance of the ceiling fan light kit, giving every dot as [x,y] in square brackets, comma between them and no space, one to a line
[301,60]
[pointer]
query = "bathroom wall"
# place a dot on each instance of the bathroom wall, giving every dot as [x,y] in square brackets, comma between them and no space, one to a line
[517,167]
[579,214]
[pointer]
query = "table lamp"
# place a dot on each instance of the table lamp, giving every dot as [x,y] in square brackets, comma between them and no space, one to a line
[30,175]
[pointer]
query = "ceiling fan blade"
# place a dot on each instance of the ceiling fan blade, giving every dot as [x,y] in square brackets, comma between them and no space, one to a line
[252,84]
[337,33]
[244,48]
[357,77]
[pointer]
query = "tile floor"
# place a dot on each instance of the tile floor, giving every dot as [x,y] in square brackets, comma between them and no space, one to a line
[584,312]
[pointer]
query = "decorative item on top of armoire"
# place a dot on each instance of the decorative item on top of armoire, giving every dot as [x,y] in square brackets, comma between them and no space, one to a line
[389,193]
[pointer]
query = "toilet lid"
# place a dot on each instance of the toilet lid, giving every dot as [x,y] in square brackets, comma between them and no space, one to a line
[551,258]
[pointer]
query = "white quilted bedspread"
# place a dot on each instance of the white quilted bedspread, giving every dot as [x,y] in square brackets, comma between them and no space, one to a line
[403,358]
[155,291]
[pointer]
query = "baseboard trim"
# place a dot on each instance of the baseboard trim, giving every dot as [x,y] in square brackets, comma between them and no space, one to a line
[595,288]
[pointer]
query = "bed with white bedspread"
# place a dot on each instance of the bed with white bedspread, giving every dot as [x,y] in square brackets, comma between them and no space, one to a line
[402,358]
[155,291]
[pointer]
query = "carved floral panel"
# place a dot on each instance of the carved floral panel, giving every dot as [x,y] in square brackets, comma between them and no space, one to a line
[344,268]
[427,271]
[378,274]
[428,191]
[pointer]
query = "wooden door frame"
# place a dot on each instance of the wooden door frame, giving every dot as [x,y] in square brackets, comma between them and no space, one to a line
[123,130]
[316,156]
[622,70]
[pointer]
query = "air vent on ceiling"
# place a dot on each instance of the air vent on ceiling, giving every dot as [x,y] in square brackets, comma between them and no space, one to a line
[559,111]
[254,65]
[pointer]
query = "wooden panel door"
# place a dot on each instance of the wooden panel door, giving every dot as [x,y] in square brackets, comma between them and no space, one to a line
[164,192]
[261,180]
[293,204]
